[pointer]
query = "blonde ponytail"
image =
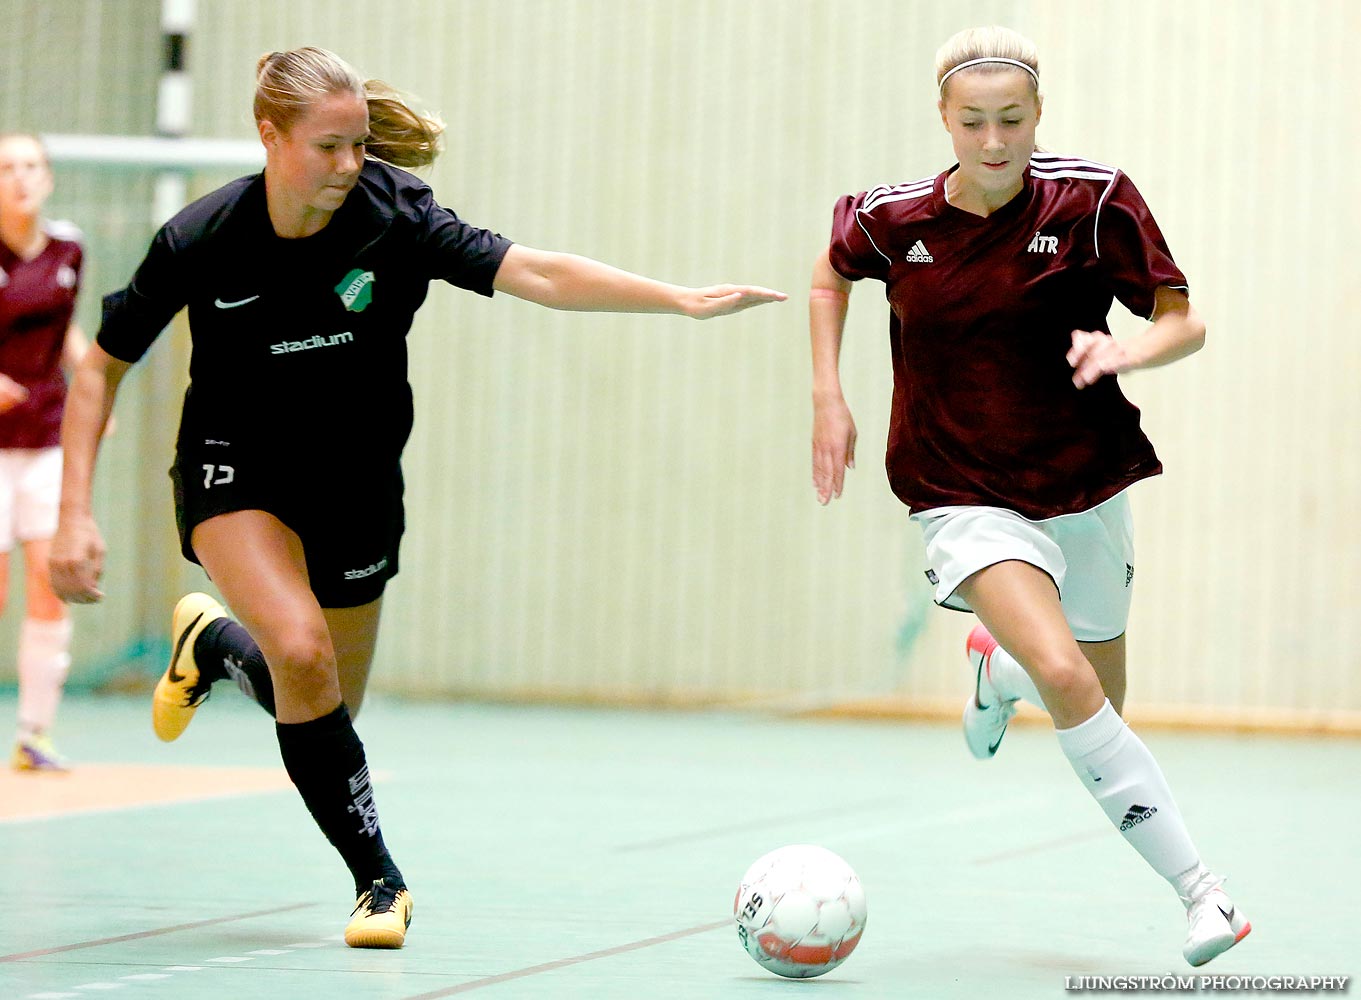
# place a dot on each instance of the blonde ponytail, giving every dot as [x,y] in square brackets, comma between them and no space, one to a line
[287,84]
[398,134]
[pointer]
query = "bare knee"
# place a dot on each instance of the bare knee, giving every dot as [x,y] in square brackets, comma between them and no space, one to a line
[301,660]
[1067,683]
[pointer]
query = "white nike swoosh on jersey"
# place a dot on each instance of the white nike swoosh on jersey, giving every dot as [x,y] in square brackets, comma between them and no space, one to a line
[232,305]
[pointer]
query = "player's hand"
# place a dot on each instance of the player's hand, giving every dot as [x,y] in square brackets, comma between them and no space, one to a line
[720,300]
[11,393]
[77,561]
[1095,354]
[833,447]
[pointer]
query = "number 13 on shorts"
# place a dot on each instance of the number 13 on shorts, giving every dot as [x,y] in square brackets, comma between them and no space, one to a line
[225,473]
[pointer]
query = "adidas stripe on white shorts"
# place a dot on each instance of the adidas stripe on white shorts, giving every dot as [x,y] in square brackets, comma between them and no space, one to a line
[1089,556]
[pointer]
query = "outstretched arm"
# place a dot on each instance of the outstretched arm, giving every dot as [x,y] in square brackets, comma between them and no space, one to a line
[78,549]
[1176,332]
[567,281]
[833,427]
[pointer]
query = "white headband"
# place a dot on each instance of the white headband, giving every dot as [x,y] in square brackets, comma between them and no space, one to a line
[990,59]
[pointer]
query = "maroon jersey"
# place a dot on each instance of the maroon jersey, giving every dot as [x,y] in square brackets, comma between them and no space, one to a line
[983,310]
[37,298]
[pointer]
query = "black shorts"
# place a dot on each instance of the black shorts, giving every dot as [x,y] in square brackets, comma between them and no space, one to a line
[350,521]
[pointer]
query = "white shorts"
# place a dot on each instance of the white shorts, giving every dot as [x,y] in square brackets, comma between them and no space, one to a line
[1089,556]
[30,488]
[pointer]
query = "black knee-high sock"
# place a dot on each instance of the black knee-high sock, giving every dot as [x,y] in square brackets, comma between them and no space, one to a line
[225,649]
[325,759]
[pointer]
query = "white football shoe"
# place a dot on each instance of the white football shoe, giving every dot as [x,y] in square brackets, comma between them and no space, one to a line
[1214,924]
[985,722]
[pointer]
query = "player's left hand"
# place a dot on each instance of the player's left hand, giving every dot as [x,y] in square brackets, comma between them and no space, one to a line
[720,300]
[1095,354]
[77,560]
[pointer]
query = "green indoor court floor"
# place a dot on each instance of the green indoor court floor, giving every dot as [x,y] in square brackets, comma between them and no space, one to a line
[568,853]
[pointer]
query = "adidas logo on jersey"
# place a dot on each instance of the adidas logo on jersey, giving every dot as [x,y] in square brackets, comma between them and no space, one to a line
[919,254]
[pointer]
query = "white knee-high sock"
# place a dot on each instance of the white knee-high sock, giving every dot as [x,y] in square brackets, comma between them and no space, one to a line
[44,661]
[1010,680]
[1116,767]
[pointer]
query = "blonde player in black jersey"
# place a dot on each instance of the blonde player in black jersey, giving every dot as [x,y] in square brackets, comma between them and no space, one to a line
[1010,440]
[301,284]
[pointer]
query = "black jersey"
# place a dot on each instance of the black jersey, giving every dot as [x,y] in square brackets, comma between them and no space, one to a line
[299,345]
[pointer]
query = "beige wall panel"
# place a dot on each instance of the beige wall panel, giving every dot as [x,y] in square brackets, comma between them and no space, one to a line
[1221,114]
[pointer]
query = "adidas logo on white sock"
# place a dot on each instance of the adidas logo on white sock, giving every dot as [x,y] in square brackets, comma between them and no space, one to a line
[919,254]
[1135,815]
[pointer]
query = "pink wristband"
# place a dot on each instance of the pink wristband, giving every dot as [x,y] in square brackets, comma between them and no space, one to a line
[828,293]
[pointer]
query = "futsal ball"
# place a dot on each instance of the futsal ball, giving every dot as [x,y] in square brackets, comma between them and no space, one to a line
[800,911]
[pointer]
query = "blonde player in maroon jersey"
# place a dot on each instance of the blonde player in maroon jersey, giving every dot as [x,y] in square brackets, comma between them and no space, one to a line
[1010,440]
[39,275]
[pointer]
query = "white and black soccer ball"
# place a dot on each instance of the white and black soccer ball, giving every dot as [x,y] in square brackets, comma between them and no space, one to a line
[800,911]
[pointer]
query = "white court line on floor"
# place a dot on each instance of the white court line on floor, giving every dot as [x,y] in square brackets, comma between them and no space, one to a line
[563,963]
[144,977]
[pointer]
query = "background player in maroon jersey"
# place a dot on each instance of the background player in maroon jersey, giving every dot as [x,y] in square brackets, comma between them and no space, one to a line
[301,285]
[1010,440]
[39,276]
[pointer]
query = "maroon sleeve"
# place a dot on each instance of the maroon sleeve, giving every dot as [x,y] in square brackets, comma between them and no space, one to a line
[852,251]
[1132,256]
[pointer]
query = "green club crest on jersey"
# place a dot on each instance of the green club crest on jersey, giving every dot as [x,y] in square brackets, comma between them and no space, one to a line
[356,290]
